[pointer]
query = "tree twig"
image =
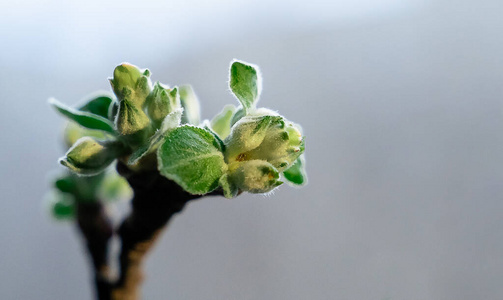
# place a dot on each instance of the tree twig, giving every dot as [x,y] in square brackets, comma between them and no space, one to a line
[156,200]
[97,230]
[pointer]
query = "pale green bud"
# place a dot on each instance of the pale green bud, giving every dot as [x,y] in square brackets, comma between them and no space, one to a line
[247,134]
[132,123]
[254,176]
[131,83]
[161,102]
[269,138]
[90,157]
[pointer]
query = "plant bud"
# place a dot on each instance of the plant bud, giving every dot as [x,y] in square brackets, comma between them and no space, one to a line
[246,135]
[131,83]
[161,102]
[89,157]
[269,138]
[132,123]
[254,176]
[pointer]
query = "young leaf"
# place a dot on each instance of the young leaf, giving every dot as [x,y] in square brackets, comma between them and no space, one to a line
[65,184]
[246,83]
[98,104]
[190,104]
[206,125]
[221,123]
[90,157]
[190,156]
[238,114]
[171,121]
[61,205]
[85,119]
[296,174]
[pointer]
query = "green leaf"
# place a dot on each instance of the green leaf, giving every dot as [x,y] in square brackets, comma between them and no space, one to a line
[221,123]
[238,114]
[296,174]
[190,104]
[190,156]
[85,119]
[61,205]
[171,121]
[98,104]
[113,110]
[65,184]
[246,83]
[90,157]
[206,125]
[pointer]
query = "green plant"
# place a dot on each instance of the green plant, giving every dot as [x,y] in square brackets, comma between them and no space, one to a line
[153,136]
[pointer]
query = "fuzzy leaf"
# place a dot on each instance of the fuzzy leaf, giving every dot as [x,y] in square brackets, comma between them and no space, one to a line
[190,156]
[221,123]
[190,104]
[245,83]
[98,104]
[296,174]
[238,114]
[61,205]
[85,119]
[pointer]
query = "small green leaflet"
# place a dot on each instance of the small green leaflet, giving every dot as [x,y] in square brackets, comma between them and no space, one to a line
[246,83]
[172,120]
[190,104]
[61,205]
[98,104]
[296,174]
[221,123]
[190,156]
[85,119]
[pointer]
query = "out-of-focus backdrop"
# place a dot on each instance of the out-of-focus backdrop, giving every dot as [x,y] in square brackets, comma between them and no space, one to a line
[401,102]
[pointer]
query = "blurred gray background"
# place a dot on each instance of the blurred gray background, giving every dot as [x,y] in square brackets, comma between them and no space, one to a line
[401,103]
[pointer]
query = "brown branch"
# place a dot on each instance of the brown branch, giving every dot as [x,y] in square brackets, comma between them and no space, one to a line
[97,230]
[156,200]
